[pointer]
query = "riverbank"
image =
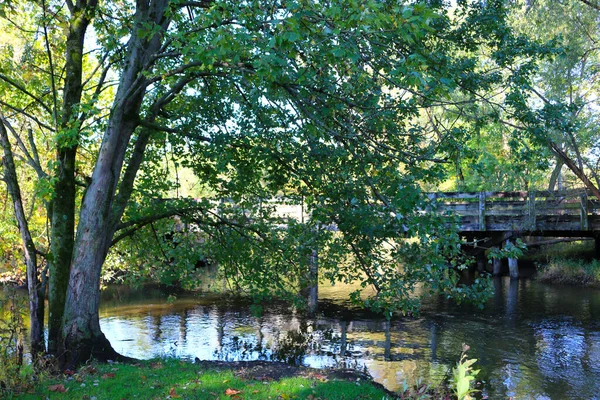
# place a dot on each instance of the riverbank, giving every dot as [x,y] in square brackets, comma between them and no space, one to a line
[570,272]
[570,263]
[172,378]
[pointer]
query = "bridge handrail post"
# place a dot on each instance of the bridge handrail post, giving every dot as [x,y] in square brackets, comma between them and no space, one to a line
[584,212]
[482,199]
[531,210]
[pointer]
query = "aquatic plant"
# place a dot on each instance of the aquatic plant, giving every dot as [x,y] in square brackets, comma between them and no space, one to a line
[463,376]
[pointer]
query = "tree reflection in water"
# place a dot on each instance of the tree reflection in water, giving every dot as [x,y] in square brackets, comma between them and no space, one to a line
[532,340]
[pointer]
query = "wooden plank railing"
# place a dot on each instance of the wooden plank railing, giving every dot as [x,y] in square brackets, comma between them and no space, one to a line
[573,210]
[534,211]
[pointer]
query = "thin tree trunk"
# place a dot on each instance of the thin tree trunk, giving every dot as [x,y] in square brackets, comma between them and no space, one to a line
[36,302]
[63,210]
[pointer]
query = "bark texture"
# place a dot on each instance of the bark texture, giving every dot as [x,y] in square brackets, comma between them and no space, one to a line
[81,328]
[576,169]
[63,210]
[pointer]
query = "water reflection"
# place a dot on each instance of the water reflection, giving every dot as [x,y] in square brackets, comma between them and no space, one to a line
[532,341]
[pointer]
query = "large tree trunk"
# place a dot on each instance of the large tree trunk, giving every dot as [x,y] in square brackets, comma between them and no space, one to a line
[556,176]
[579,172]
[63,210]
[36,299]
[81,329]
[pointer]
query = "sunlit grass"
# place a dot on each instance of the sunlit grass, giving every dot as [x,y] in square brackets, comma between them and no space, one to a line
[579,249]
[179,379]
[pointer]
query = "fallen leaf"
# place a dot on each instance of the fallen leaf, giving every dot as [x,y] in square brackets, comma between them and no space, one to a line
[91,370]
[60,388]
[232,392]
[156,365]
[108,375]
[69,372]
[173,394]
[320,377]
[255,391]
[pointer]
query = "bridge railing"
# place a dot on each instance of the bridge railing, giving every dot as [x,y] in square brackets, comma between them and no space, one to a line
[572,210]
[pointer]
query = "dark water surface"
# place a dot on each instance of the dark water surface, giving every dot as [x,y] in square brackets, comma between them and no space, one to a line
[532,341]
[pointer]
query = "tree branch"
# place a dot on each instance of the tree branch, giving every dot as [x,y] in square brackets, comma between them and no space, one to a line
[28,115]
[23,90]
[200,4]
[589,3]
[132,226]
[51,64]
[126,185]
[30,160]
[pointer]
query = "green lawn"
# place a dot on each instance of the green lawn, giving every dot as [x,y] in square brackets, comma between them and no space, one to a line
[178,379]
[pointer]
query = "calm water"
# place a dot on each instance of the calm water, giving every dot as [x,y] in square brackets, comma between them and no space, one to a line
[533,341]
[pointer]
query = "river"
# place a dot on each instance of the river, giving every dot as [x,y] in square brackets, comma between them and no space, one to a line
[532,340]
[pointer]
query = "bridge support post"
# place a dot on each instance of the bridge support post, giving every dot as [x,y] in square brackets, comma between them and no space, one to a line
[513,265]
[481,262]
[497,267]
[313,283]
[513,268]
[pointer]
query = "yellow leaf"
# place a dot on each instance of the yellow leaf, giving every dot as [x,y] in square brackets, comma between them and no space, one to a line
[232,392]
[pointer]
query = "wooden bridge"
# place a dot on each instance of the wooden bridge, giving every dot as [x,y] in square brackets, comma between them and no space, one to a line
[537,213]
[494,219]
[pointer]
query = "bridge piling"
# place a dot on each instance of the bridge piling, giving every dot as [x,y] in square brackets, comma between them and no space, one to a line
[313,283]
[513,268]
[497,267]
[481,262]
[513,265]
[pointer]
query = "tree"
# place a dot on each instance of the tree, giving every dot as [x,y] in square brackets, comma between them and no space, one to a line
[556,107]
[318,101]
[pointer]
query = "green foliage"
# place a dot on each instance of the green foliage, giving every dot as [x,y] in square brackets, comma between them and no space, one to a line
[463,376]
[509,250]
[557,101]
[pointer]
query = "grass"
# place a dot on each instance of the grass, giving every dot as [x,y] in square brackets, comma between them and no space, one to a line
[576,250]
[172,379]
[571,271]
[570,263]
